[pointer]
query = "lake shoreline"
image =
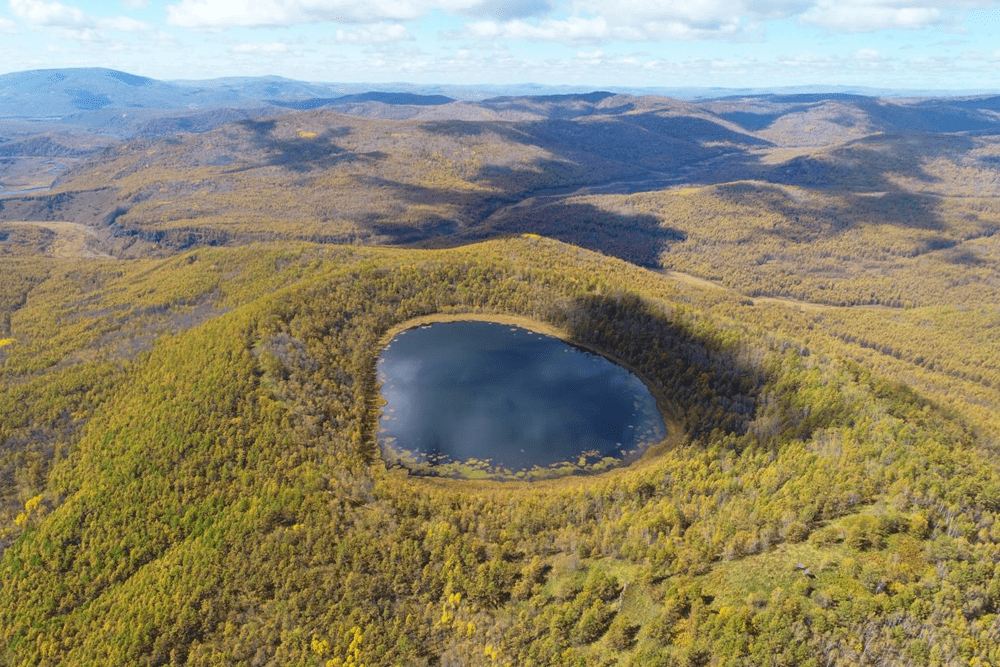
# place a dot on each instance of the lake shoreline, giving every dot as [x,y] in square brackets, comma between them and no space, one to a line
[666,409]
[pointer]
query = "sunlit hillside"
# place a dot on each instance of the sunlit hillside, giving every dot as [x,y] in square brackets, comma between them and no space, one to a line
[189,327]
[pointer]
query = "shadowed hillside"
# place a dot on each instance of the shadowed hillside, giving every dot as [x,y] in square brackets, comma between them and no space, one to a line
[417,178]
[875,192]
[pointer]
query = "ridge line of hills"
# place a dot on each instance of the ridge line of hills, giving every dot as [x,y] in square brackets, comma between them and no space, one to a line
[402,168]
[192,301]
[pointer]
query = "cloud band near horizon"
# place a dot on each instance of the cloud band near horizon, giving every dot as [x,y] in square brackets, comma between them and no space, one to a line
[909,43]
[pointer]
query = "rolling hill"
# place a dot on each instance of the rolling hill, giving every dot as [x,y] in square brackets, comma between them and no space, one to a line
[193,303]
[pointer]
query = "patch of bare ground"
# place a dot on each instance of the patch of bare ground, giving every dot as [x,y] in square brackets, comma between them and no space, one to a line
[807,306]
[73,240]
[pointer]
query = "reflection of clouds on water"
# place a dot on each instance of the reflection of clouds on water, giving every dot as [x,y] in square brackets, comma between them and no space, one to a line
[467,432]
[483,391]
[404,371]
[554,367]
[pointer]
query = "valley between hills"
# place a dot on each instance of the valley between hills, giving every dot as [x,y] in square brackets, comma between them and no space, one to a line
[197,286]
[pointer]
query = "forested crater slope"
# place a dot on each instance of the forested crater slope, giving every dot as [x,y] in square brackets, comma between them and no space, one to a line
[218,496]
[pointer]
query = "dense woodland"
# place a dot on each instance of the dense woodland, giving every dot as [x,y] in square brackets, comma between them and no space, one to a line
[208,490]
[189,473]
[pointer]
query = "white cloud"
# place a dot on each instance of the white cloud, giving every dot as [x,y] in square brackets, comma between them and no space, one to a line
[72,20]
[949,42]
[599,29]
[123,24]
[868,55]
[870,59]
[221,14]
[375,34]
[943,66]
[855,17]
[136,4]
[505,11]
[574,29]
[627,14]
[654,20]
[593,21]
[572,21]
[698,14]
[215,15]
[270,48]
[163,40]
[83,34]
[7,26]
[873,15]
[48,14]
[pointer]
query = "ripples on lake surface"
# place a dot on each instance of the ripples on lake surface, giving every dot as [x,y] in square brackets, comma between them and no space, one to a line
[504,398]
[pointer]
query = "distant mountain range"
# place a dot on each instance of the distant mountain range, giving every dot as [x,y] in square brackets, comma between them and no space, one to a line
[59,93]
[104,146]
[107,105]
[134,155]
[86,109]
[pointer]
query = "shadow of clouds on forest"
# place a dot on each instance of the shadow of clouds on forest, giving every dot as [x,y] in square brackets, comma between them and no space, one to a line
[633,153]
[871,163]
[302,154]
[433,226]
[930,116]
[963,257]
[863,178]
[933,116]
[860,185]
[641,140]
[636,238]
[700,129]
[642,152]
[623,155]
[573,105]
[752,121]
[391,98]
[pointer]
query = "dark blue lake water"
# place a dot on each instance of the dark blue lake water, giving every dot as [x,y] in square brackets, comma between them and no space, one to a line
[484,392]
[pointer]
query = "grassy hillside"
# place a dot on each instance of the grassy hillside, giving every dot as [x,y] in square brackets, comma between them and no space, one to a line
[213,493]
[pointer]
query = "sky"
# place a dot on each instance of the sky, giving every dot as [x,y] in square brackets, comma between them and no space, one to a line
[913,44]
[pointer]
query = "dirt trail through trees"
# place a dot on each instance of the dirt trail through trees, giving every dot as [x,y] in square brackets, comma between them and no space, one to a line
[73,240]
[808,306]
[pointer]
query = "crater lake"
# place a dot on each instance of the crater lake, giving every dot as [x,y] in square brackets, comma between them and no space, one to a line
[484,399]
